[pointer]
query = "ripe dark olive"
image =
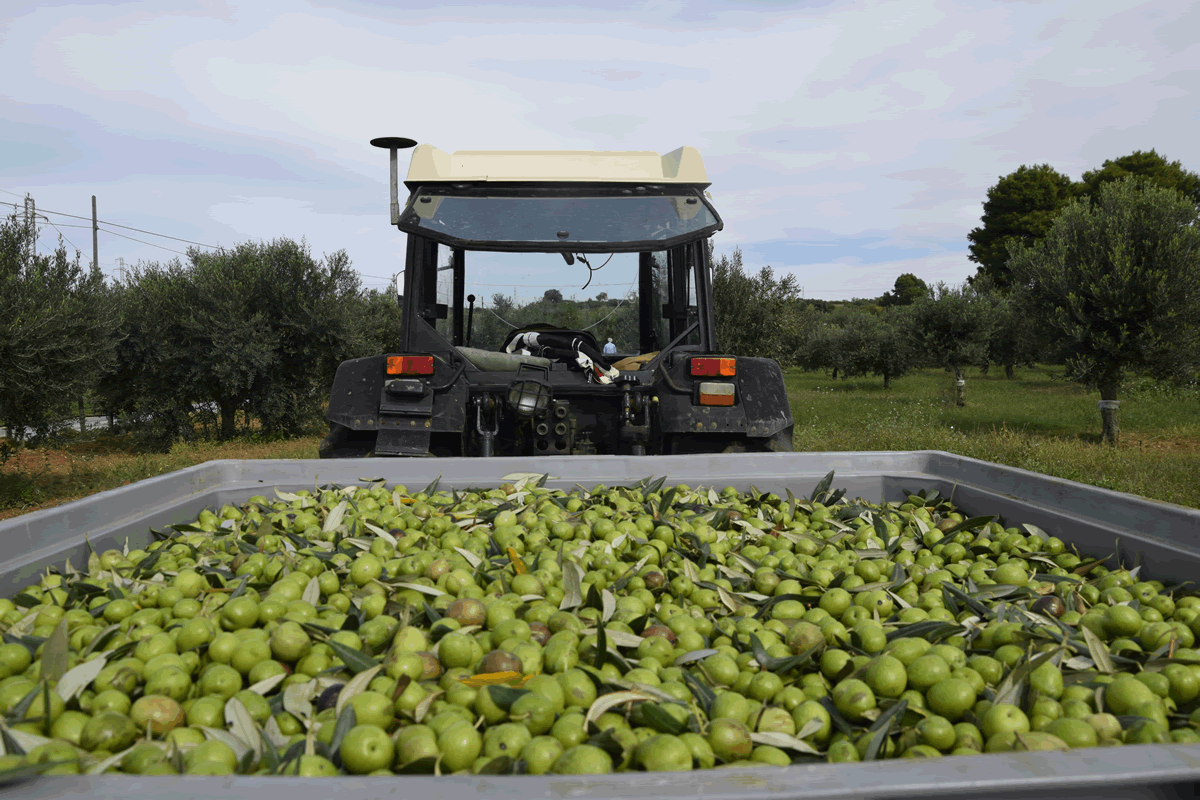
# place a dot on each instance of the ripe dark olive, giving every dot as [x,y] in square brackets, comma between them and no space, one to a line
[468,611]
[328,698]
[659,630]
[654,580]
[1050,605]
[540,633]
[501,661]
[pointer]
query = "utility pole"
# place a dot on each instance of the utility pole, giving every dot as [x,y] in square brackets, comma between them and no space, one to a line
[95,239]
[31,226]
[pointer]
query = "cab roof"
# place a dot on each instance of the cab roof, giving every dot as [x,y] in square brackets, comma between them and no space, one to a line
[430,165]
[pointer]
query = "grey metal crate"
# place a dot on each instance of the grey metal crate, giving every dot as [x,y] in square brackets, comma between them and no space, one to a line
[1163,538]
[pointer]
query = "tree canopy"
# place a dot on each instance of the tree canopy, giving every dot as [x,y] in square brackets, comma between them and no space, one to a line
[907,290]
[1020,207]
[756,314]
[1149,165]
[1117,282]
[57,326]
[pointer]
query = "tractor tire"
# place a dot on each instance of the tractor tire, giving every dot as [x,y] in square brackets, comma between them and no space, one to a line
[345,443]
[781,442]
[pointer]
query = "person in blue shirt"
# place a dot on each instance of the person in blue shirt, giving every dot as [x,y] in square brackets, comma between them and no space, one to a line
[609,347]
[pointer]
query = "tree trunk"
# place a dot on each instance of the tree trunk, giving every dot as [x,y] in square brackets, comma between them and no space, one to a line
[1008,371]
[111,421]
[82,416]
[960,388]
[835,373]
[1108,411]
[228,418]
[887,381]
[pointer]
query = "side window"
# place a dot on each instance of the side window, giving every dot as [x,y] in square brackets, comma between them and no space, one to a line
[675,286]
[693,313]
[662,331]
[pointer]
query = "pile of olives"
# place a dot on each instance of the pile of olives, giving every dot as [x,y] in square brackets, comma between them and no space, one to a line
[524,630]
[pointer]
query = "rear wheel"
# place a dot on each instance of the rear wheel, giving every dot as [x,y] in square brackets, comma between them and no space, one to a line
[345,443]
[700,444]
[781,442]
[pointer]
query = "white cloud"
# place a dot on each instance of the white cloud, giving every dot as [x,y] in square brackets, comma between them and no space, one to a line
[861,128]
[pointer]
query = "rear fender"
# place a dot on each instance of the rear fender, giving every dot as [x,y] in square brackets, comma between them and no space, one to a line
[358,393]
[354,400]
[761,409]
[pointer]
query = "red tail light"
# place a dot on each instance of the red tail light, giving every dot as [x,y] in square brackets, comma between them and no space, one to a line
[714,367]
[410,365]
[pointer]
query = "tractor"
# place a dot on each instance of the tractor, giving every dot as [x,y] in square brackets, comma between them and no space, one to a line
[546,389]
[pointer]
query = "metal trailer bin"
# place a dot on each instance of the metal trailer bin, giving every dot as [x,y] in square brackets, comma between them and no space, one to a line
[1165,538]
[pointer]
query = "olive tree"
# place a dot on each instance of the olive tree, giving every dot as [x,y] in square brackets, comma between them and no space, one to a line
[951,328]
[877,344]
[756,314]
[258,329]
[56,329]
[1117,281]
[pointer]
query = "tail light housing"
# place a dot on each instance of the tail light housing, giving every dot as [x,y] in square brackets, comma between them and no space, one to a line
[716,394]
[410,365]
[710,367]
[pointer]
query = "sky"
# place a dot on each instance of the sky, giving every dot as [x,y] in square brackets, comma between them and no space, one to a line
[847,142]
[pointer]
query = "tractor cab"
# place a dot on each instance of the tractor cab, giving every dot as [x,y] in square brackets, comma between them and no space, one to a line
[464,380]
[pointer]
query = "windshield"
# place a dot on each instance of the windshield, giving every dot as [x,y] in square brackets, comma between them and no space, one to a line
[559,219]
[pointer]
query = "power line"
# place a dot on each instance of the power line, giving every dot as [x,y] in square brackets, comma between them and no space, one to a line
[536,285]
[117,225]
[60,233]
[151,244]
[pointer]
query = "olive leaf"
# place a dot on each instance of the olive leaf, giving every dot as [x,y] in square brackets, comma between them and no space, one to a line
[24,770]
[312,592]
[356,686]
[572,579]
[240,588]
[55,653]
[608,605]
[241,724]
[500,765]
[239,747]
[19,711]
[418,587]
[1012,689]
[822,487]
[784,742]
[970,602]
[880,727]
[1098,651]
[297,700]
[835,716]
[111,761]
[881,529]
[658,718]
[694,655]
[504,696]
[79,677]
[347,718]
[704,695]
[601,647]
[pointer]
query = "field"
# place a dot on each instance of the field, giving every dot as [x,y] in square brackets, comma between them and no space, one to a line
[1035,421]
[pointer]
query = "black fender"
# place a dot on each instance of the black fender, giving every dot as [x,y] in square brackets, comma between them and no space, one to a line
[354,399]
[761,409]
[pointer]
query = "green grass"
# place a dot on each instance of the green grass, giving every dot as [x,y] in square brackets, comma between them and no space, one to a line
[1036,421]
